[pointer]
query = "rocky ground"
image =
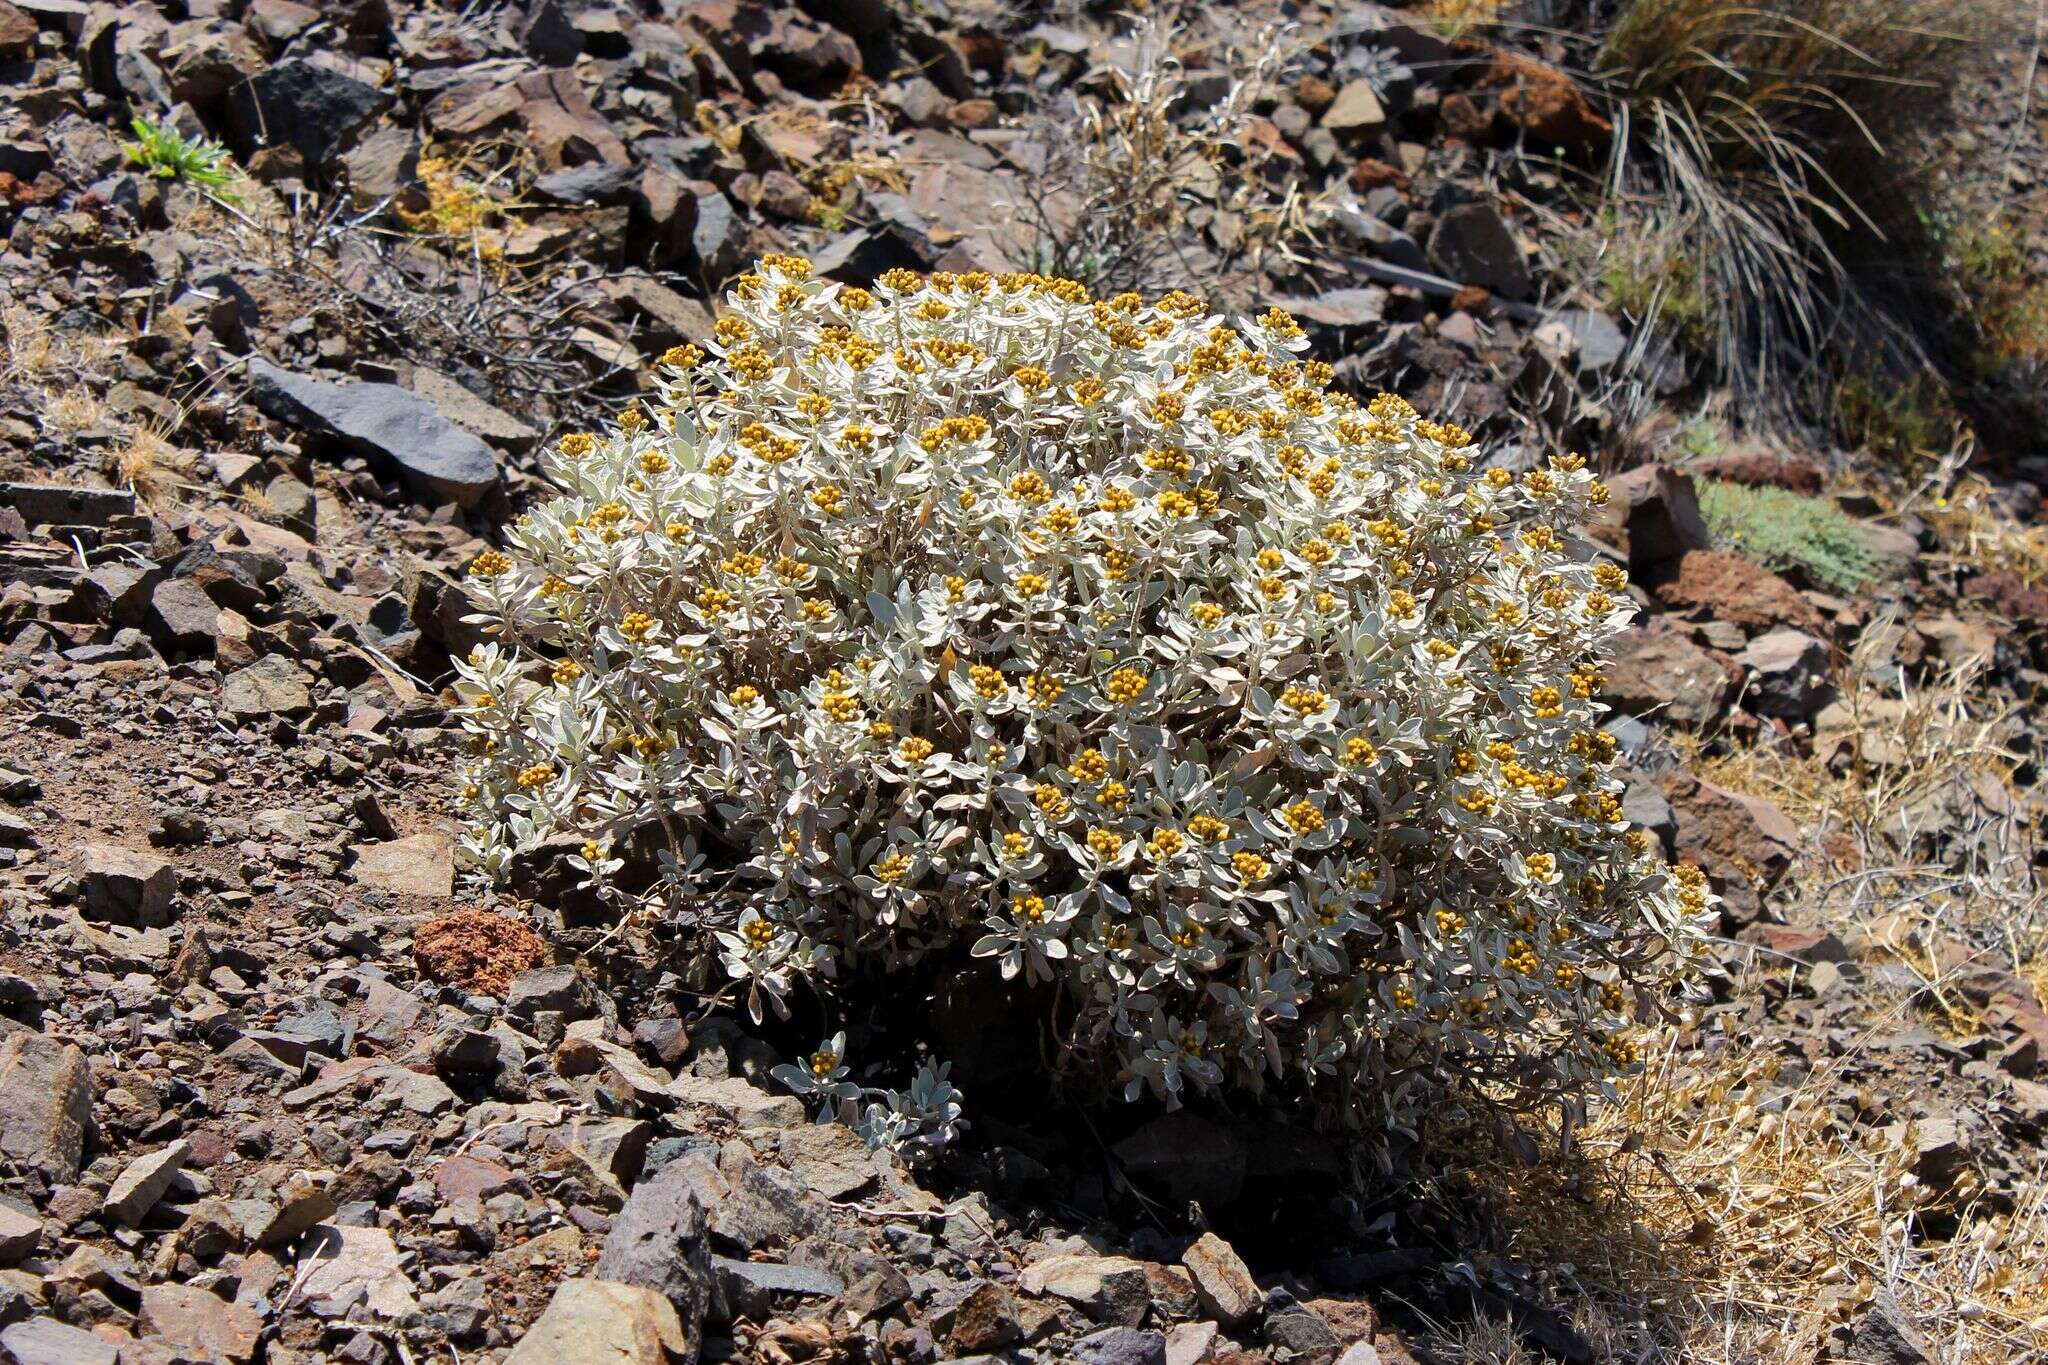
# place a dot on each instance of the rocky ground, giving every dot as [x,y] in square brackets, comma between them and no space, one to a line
[277,1083]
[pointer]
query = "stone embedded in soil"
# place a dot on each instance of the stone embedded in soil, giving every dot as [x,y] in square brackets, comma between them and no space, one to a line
[1743,843]
[750,1289]
[561,989]
[472,413]
[1107,1288]
[1652,515]
[1356,113]
[20,1233]
[181,616]
[1223,1283]
[65,505]
[1725,587]
[433,453]
[1791,674]
[1545,105]
[1119,1346]
[126,886]
[301,1204]
[200,1322]
[418,865]
[138,1188]
[46,1095]
[272,686]
[986,1320]
[1658,673]
[355,1270]
[46,1341]
[1472,245]
[602,1322]
[307,104]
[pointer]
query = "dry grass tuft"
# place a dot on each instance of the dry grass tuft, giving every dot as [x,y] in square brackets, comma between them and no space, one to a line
[1714,1214]
[1727,1209]
[32,350]
[1121,185]
[72,410]
[1766,138]
[149,464]
[1976,532]
[1455,19]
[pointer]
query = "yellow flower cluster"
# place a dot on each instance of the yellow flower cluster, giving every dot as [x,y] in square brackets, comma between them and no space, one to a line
[1104,640]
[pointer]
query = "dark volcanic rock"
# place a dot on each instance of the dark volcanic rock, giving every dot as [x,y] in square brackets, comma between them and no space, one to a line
[305,105]
[385,420]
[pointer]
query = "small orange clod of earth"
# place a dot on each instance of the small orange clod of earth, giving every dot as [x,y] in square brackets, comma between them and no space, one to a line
[477,951]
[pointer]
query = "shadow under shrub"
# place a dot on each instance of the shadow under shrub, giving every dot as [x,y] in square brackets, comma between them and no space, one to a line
[1093,646]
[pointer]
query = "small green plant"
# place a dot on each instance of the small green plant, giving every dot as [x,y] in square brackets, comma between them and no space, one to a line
[1787,531]
[168,154]
[1699,438]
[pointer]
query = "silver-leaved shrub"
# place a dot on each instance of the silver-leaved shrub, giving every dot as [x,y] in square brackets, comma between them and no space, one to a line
[1097,639]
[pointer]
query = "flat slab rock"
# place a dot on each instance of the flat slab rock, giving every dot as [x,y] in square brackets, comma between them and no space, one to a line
[417,865]
[603,1322]
[46,1341]
[433,454]
[46,1098]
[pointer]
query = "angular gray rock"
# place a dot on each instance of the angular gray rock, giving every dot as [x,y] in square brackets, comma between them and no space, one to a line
[208,1326]
[272,686]
[432,453]
[1356,113]
[1652,515]
[1120,1346]
[46,1341]
[45,1103]
[307,104]
[1110,1289]
[659,1241]
[1597,341]
[20,1233]
[354,1269]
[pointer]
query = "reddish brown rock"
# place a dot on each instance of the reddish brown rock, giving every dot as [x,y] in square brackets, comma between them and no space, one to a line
[17,31]
[1314,94]
[1372,173]
[982,50]
[477,950]
[1658,672]
[2012,599]
[1730,588]
[1474,300]
[1545,104]
[1744,844]
[985,1320]
[1761,469]
[1461,117]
